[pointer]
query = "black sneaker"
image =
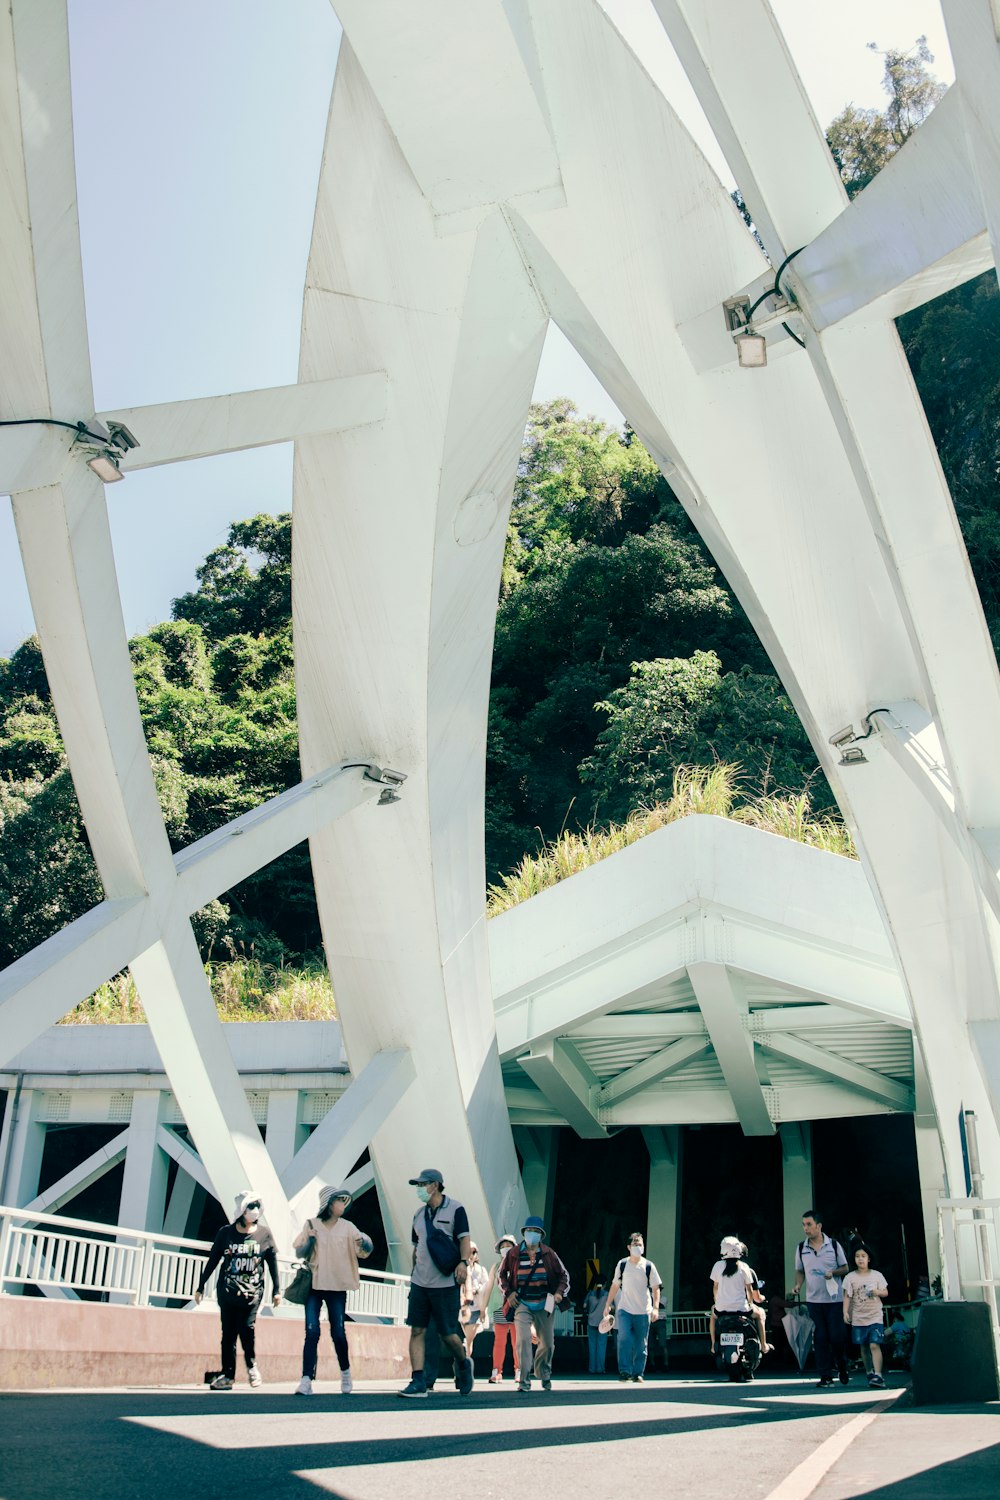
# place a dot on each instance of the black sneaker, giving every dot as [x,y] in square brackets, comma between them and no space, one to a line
[845,1376]
[546,1385]
[466,1378]
[826,1380]
[416,1389]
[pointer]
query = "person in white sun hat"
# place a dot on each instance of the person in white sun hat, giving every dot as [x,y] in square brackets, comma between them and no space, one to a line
[331,1247]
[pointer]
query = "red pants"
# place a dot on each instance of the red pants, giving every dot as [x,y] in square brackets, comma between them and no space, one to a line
[501,1333]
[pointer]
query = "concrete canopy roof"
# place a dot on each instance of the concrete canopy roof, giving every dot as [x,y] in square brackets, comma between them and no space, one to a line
[709,972]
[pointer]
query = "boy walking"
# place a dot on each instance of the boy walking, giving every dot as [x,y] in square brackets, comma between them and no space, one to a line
[865,1289]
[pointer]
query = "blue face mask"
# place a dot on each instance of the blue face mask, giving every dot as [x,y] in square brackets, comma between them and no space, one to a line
[532,1237]
[424,1194]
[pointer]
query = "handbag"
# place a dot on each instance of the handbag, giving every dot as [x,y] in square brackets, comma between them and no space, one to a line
[300,1286]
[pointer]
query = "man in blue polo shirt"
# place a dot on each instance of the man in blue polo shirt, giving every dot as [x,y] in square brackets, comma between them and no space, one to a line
[820,1262]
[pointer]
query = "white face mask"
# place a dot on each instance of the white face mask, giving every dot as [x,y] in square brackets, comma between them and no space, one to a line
[251,1215]
[635,1251]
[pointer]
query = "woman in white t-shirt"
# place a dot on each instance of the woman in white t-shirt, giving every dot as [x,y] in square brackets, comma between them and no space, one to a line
[733,1285]
[473,1314]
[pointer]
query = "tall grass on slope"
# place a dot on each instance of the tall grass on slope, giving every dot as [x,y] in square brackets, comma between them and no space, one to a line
[710,790]
[244,989]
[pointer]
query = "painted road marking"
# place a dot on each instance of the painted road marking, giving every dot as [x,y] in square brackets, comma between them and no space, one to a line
[804,1478]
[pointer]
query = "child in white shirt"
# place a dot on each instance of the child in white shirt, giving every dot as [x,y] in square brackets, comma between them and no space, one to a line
[864,1292]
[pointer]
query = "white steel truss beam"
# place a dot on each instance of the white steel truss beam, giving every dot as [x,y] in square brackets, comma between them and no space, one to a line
[886,1090]
[346,1130]
[652,1069]
[725,1016]
[72,1183]
[559,1073]
[189,1161]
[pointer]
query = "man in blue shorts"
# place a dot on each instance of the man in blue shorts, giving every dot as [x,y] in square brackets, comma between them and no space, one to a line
[440,1236]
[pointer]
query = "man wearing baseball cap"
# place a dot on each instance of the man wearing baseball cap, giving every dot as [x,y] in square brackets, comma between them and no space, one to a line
[535,1282]
[441,1249]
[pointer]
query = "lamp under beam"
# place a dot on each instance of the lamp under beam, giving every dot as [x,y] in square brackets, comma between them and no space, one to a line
[751,349]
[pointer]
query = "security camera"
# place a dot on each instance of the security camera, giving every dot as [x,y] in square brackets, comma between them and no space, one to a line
[121,437]
[852,755]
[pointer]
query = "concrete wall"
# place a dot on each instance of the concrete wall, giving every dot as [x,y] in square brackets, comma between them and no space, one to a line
[45,1344]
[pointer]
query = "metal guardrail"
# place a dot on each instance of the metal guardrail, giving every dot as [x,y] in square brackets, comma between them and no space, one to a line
[55,1253]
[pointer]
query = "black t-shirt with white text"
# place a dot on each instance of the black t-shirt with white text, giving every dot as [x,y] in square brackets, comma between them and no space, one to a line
[242,1254]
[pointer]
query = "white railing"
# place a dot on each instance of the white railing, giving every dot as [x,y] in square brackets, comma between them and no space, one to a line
[55,1253]
[970,1252]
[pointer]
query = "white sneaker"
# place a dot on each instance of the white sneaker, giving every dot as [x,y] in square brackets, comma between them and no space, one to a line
[346,1383]
[304,1387]
[254,1376]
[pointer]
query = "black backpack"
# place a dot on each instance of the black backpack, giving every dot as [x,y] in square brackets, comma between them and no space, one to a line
[442,1248]
[621,1267]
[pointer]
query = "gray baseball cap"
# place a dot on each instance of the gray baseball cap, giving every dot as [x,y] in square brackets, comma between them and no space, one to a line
[429,1174]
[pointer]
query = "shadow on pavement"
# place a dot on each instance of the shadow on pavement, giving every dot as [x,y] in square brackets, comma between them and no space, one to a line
[974,1476]
[84,1446]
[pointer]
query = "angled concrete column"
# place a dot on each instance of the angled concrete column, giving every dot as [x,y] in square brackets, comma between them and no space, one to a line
[186,1199]
[397,550]
[665,1145]
[539,1148]
[930,1164]
[285,1135]
[24,1142]
[144,1184]
[796,1189]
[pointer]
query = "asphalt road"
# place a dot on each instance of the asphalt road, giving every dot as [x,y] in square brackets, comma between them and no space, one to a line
[586,1440]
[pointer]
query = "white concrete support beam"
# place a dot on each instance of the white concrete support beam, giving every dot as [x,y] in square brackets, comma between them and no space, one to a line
[796,1188]
[181,430]
[886,1090]
[930,1165]
[725,1013]
[188,1161]
[72,1183]
[285,1132]
[23,1145]
[539,1150]
[360,1181]
[37,990]
[186,1199]
[233,852]
[563,1078]
[143,1197]
[914,233]
[974,39]
[665,1146]
[347,1129]
[397,552]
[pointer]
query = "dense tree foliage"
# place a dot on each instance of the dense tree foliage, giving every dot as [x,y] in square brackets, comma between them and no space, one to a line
[863,140]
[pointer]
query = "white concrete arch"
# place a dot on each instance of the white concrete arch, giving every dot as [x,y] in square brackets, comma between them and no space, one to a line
[492,164]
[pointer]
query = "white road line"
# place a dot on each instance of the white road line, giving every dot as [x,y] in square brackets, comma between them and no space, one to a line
[804,1478]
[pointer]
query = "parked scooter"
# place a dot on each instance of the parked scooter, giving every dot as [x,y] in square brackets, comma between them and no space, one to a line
[737,1344]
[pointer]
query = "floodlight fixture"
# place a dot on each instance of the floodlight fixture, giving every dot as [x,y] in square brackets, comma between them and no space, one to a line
[103,463]
[751,349]
[852,755]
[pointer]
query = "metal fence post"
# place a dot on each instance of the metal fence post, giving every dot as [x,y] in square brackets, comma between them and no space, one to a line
[5,1231]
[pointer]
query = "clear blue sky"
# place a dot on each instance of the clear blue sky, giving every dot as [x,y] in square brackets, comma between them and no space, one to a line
[199,126]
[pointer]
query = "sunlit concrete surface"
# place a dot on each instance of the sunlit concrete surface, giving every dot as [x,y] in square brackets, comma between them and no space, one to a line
[677,1438]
